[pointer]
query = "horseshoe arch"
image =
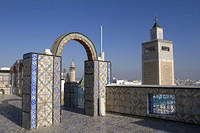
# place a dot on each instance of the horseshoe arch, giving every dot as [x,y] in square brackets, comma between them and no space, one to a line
[60,42]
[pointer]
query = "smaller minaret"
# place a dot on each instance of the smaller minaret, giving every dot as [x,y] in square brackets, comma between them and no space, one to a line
[72,72]
[67,79]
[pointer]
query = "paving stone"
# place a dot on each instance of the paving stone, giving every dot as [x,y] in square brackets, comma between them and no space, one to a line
[72,122]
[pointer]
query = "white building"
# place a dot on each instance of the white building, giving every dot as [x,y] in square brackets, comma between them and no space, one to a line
[5,87]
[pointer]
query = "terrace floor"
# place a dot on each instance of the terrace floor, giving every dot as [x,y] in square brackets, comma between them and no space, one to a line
[72,122]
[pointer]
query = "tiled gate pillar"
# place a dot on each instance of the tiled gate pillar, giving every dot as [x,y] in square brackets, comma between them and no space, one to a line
[97,76]
[41,90]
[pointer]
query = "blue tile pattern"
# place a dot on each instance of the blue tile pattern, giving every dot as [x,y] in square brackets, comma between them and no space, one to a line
[33,91]
[57,106]
[108,72]
[56,92]
[161,103]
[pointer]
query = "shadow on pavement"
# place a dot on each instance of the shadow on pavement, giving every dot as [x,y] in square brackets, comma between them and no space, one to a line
[75,110]
[160,125]
[11,112]
[167,125]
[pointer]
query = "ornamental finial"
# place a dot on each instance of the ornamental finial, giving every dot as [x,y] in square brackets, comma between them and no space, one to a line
[156,19]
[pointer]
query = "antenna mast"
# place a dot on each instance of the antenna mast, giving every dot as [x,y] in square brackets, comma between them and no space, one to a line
[101,38]
[101,53]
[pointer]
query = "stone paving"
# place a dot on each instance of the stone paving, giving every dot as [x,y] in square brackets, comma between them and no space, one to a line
[73,122]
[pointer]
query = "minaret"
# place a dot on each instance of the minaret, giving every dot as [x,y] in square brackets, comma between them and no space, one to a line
[72,72]
[67,79]
[157,59]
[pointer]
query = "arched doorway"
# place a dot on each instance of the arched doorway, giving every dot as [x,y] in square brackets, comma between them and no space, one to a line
[42,83]
[91,104]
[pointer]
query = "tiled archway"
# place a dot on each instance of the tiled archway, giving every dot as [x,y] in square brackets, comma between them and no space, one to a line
[60,42]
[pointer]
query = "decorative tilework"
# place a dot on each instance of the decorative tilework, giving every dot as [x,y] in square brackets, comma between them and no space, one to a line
[102,78]
[97,74]
[109,73]
[56,108]
[44,98]
[89,67]
[161,103]
[41,90]
[44,90]
[133,100]
[33,91]
[45,75]
[96,87]
[56,92]
[91,88]
[44,114]
[103,68]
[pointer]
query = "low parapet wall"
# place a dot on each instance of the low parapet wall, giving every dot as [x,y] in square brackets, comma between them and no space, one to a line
[165,102]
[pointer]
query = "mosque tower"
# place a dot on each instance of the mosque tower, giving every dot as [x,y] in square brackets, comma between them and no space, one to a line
[72,72]
[157,59]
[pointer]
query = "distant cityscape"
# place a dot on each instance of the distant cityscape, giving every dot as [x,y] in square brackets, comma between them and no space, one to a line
[178,82]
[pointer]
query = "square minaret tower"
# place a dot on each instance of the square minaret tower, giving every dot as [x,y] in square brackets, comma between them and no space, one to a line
[157,59]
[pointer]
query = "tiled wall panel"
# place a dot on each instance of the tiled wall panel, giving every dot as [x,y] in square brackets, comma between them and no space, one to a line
[44,90]
[96,87]
[91,88]
[134,100]
[97,76]
[33,90]
[56,91]
[41,90]
[26,97]
[103,79]
[109,73]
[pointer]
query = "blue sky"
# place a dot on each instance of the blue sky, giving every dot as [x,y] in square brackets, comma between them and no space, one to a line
[33,25]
